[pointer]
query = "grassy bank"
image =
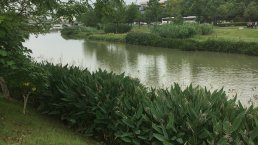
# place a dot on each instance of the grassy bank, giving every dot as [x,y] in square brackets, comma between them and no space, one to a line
[231,34]
[33,129]
[149,39]
[240,40]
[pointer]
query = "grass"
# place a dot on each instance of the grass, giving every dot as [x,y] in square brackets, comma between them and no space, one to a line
[34,129]
[231,34]
[109,37]
[224,33]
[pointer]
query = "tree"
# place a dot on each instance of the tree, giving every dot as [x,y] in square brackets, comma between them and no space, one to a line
[110,11]
[17,20]
[132,12]
[114,12]
[89,18]
[153,11]
[251,12]
[71,10]
[175,8]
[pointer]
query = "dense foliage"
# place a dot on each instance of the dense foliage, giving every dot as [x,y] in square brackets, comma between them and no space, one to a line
[185,30]
[17,20]
[138,38]
[77,32]
[209,11]
[117,28]
[121,110]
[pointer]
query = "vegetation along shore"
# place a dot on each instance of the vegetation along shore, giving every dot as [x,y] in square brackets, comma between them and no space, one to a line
[115,109]
[187,37]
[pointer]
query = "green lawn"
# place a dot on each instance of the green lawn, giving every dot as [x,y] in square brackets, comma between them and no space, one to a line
[33,128]
[225,33]
[231,34]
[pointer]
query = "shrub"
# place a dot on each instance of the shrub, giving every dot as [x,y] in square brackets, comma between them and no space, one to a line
[77,32]
[70,31]
[139,38]
[122,111]
[117,28]
[206,29]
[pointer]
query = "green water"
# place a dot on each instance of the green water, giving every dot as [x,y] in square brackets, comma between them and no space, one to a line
[155,67]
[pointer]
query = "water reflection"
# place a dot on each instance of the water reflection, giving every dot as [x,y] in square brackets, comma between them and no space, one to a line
[156,67]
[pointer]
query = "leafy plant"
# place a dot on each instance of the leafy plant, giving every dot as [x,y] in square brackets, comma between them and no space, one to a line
[121,110]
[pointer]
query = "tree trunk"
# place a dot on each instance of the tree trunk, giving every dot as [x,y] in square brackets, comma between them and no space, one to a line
[4,88]
[25,102]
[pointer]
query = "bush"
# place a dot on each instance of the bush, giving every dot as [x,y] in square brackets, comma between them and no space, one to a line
[139,38]
[206,29]
[122,111]
[77,32]
[180,31]
[117,28]
[70,31]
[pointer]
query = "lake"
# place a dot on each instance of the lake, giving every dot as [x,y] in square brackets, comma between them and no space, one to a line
[154,67]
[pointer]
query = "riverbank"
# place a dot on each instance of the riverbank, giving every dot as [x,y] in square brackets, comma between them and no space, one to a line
[224,39]
[34,129]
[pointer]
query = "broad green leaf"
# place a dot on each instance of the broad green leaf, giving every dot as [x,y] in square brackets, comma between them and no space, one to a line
[237,121]
[3,53]
[167,143]
[159,137]
[180,140]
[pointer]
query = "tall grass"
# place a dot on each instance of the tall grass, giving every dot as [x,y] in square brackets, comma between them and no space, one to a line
[180,31]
